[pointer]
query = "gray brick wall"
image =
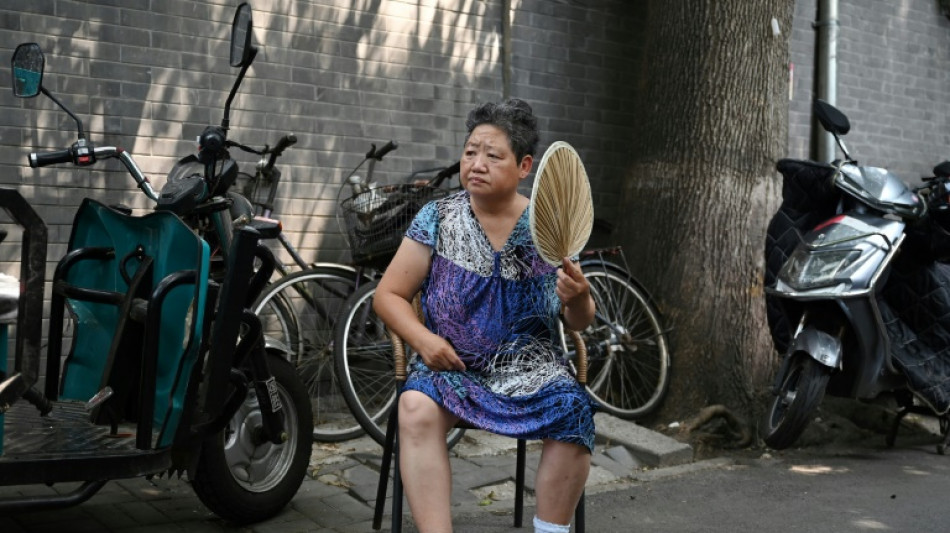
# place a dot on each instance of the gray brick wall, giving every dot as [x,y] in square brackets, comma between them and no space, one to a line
[149,76]
[893,82]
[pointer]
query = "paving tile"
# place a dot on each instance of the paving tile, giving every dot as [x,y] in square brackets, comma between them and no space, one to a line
[360,474]
[349,505]
[143,513]
[301,525]
[319,489]
[322,513]
[481,476]
[109,515]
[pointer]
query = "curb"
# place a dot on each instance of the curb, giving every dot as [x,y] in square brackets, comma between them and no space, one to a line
[653,449]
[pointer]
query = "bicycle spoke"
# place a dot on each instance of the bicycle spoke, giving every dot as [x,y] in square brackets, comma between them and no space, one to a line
[628,358]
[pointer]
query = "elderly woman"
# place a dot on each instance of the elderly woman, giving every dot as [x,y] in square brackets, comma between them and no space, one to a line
[488,352]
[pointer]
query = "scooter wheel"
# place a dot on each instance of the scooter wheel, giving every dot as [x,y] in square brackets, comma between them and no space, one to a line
[799,396]
[244,479]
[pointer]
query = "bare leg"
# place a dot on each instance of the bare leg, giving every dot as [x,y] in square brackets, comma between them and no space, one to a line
[424,461]
[562,474]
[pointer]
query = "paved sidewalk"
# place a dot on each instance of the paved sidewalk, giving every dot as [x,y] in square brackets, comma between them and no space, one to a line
[340,493]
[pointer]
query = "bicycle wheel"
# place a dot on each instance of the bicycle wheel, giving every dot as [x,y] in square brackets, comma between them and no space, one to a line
[298,313]
[628,368]
[364,365]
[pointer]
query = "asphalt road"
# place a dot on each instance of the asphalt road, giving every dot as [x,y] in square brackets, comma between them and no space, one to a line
[863,487]
[861,490]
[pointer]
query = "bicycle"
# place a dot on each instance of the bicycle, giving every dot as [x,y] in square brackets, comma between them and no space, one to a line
[299,312]
[628,353]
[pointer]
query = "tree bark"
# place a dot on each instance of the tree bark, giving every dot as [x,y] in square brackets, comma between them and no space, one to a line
[702,186]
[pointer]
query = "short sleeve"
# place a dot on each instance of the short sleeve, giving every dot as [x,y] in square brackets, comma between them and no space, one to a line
[424,227]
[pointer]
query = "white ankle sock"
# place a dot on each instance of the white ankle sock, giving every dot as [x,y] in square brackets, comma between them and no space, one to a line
[540,526]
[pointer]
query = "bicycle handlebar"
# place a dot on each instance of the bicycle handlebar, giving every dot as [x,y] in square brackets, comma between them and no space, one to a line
[379,154]
[285,142]
[446,172]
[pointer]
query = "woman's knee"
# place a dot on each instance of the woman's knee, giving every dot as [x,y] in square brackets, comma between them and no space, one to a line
[419,414]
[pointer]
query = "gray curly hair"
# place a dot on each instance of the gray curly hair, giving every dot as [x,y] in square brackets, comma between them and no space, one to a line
[514,117]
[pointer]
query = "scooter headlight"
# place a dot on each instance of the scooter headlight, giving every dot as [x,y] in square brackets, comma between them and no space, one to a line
[809,269]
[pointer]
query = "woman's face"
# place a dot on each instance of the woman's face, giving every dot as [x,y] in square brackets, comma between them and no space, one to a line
[489,168]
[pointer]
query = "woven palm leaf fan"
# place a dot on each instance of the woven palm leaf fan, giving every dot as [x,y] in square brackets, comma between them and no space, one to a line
[562,210]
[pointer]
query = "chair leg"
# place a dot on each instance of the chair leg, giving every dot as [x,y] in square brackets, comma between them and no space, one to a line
[397,491]
[384,469]
[519,483]
[579,516]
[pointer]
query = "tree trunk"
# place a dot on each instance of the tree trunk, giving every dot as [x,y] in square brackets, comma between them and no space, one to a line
[702,187]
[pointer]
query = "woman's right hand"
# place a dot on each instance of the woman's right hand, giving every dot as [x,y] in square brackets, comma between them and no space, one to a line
[438,354]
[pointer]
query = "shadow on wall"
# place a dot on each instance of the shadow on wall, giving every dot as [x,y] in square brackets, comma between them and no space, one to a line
[150,76]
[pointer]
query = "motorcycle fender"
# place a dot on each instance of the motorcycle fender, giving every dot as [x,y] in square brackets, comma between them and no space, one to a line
[821,346]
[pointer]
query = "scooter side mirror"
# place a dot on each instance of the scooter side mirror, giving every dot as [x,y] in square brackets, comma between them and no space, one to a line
[831,119]
[28,64]
[241,34]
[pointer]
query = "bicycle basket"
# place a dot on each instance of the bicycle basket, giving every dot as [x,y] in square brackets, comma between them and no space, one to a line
[376,220]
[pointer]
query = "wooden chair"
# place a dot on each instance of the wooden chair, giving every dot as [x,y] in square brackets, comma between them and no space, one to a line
[391,447]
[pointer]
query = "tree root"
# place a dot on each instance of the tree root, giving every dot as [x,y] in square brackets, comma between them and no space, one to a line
[734,433]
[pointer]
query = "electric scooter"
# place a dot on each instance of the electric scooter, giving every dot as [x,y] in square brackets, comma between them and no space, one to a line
[165,371]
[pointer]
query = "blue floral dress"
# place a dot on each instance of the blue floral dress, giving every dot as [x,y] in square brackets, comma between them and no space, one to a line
[500,312]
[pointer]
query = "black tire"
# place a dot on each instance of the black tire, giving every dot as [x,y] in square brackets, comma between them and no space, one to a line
[298,313]
[944,421]
[273,472]
[364,365]
[628,369]
[798,398]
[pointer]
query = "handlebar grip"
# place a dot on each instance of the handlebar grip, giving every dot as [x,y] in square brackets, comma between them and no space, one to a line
[388,147]
[285,142]
[41,159]
[446,172]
